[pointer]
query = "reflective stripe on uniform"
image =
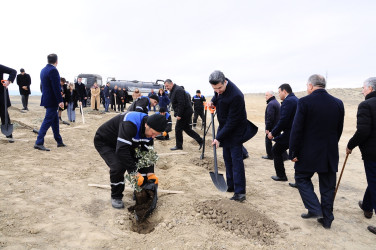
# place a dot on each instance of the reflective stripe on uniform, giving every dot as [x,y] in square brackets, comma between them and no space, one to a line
[123,140]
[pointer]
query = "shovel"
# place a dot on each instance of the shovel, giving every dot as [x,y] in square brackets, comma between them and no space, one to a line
[203,145]
[82,114]
[6,128]
[218,179]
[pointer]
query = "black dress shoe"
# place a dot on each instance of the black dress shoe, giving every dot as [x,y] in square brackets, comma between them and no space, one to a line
[293,185]
[367,214]
[276,178]
[310,215]
[266,157]
[41,147]
[60,145]
[325,225]
[372,229]
[238,197]
[176,148]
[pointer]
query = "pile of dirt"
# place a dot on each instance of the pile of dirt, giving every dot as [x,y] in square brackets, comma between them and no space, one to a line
[208,163]
[240,220]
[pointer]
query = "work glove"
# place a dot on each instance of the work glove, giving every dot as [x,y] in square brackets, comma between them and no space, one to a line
[140,179]
[153,178]
[164,133]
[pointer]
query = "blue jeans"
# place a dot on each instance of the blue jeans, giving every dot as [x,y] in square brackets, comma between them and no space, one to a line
[50,120]
[106,103]
[71,112]
[235,173]
[369,199]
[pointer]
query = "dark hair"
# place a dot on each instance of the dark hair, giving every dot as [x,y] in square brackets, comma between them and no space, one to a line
[182,87]
[162,110]
[217,77]
[286,87]
[62,79]
[198,91]
[22,70]
[52,58]
[168,81]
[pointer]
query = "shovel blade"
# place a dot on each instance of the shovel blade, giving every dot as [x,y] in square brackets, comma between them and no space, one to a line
[7,129]
[219,181]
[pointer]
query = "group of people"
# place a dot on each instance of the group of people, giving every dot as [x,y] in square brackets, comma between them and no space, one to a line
[309,127]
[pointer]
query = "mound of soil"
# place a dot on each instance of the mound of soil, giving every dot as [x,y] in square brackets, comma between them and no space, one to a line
[239,219]
[208,163]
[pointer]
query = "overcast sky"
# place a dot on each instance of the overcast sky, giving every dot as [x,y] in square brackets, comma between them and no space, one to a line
[257,44]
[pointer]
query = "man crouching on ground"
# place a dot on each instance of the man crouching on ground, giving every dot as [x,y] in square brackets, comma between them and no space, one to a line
[116,141]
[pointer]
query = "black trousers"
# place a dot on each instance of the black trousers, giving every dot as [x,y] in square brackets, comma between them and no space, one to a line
[268,147]
[117,169]
[278,151]
[184,125]
[25,101]
[327,183]
[198,113]
[2,114]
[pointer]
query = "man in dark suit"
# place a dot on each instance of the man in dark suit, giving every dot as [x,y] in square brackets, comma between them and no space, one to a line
[271,118]
[106,95]
[5,102]
[234,129]
[51,100]
[365,138]
[315,134]
[198,105]
[24,81]
[81,91]
[288,109]
[183,112]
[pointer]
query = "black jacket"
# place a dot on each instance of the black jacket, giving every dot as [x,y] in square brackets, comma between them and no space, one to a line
[71,97]
[141,104]
[234,128]
[365,135]
[24,80]
[119,134]
[288,109]
[180,102]
[81,90]
[271,113]
[316,131]
[12,74]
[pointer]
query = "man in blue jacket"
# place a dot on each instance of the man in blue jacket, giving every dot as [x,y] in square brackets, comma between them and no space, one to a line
[365,138]
[234,129]
[315,134]
[288,109]
[106,95]
[51,100]
[4,87]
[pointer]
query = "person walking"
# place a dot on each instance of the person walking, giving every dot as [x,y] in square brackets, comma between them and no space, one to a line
[198,105]
[5,102]
[288,109]
[116,141]
[24,82]
[234,129]
[95,97]
[365,139]
[315,134]
[51,100]
[183,112]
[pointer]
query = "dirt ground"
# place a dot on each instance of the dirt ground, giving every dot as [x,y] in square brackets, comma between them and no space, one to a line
[46,202]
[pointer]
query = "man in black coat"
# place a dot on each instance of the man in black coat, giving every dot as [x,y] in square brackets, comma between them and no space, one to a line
[315,134]
[271,118]
[365,138]
[284,125]
[183,113]
[81,91]
[5,102]
[24,81]
[198,105]
[234,129]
